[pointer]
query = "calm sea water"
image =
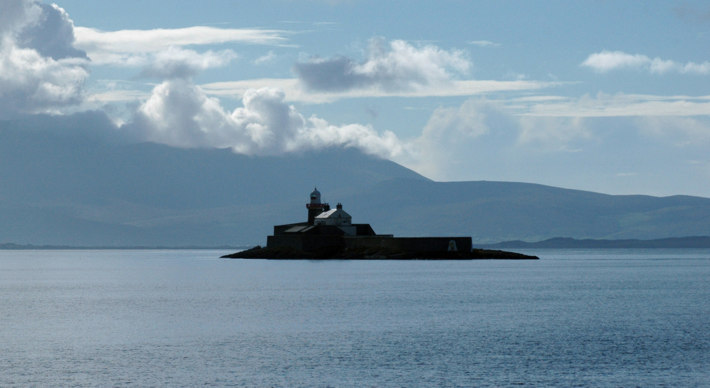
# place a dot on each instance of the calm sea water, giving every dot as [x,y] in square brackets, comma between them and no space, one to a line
[186,318]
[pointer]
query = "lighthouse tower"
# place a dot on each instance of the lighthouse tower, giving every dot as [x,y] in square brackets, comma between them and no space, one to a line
[315,207]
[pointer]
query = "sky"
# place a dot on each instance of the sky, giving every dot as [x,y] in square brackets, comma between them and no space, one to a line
[606,96]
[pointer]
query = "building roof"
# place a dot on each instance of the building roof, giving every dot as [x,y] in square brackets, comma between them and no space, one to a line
[299,229]
[334,213]
[322,230]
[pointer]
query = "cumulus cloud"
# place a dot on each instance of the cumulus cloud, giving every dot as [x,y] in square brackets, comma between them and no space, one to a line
[487,139]
[392,66]
[16,14]
[31,83]
[51,34]
[457,141]
[606,61]
[40,70]
[179,113]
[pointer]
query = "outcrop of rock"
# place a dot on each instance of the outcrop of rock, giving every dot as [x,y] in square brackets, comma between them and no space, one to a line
[259,252]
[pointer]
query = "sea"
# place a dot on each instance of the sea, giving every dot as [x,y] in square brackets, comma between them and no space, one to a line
[186,318]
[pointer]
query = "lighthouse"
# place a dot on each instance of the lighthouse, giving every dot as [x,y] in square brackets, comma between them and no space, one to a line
[332,230]
[315,207]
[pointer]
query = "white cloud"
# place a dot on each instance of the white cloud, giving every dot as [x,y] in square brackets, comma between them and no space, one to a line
[484,43]
[618,105]
[556,134]
[31,83]
[455,143]
[110,96]
[179,113]
[40,70]
[678,131]
[606,61]
[128,47]
[266,58]
[449,145]
[296,91]
[612,60]
[176,62]
[395,66]
[484,139]
[50,33]
[468,120]
[16,14]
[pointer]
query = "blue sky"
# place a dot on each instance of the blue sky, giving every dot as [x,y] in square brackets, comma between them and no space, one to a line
[607,96]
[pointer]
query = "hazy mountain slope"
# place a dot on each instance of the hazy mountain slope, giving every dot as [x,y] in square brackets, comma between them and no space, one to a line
[496,211]
[62,187]
[59,185]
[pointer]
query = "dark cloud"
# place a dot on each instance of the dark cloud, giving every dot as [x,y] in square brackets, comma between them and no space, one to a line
[52,35]
[94,126]
[15,14]
[392,66]
[694,14]
[330,75]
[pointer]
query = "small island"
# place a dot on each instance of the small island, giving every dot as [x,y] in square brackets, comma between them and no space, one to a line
[330,234]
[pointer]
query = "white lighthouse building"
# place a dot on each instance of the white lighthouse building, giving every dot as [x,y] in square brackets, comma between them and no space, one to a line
[337,217]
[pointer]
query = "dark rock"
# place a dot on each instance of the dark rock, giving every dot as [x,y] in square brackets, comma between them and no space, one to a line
[373,254]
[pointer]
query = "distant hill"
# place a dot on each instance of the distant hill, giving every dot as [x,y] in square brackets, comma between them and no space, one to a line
[571,243]
[62,186]
[503,211]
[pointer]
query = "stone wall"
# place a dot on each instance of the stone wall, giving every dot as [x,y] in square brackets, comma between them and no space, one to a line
[305,242]
[310,243]
[409,244]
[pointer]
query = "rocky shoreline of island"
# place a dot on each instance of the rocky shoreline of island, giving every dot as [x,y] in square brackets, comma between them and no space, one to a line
[287,253]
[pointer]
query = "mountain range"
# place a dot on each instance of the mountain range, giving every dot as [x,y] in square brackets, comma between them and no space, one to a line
[63,186]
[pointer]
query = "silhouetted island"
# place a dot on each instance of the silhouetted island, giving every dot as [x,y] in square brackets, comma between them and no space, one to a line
[330,234]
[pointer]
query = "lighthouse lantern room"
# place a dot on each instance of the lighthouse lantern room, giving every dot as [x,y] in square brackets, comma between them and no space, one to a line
[315,207]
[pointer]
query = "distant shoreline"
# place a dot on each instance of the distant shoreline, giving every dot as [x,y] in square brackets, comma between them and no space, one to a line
[20,247]
[552,243]
[572,243]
